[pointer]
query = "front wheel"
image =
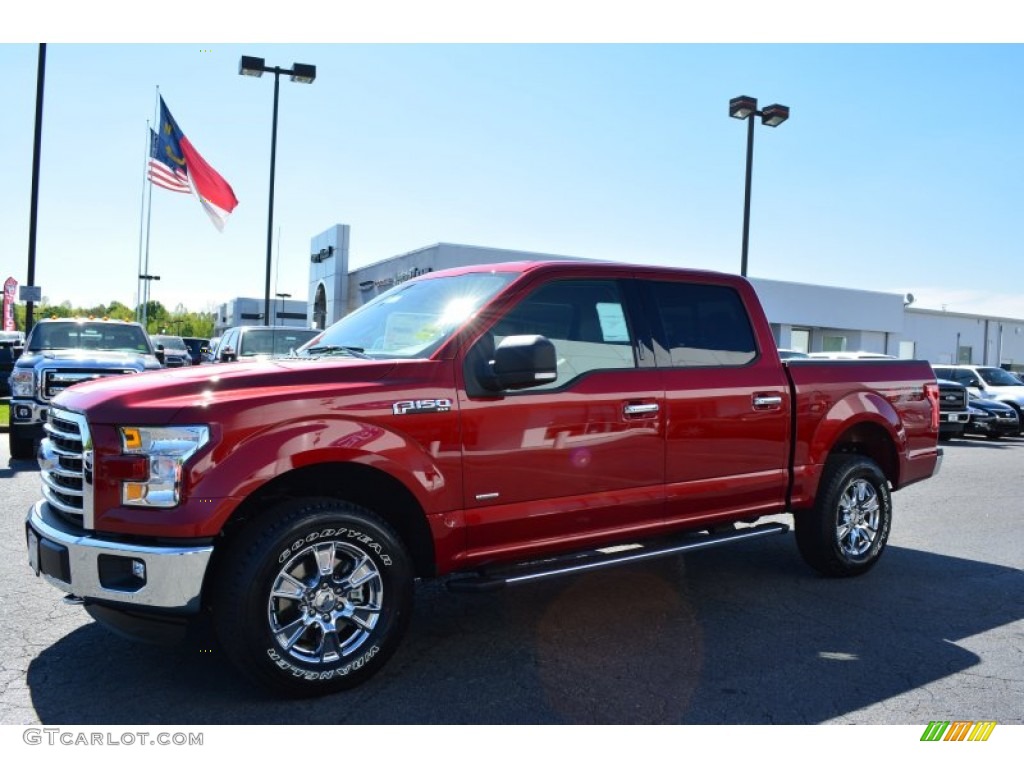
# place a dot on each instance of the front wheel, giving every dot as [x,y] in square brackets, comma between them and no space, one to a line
[314,597]
[845,532]
[21,447]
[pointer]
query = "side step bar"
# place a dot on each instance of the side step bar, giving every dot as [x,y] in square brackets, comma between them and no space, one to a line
[489,579]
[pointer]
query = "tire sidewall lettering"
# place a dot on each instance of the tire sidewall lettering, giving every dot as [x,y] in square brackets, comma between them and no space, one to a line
[310,675]
[334,533]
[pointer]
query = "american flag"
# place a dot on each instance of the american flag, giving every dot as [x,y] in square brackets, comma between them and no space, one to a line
[162,174]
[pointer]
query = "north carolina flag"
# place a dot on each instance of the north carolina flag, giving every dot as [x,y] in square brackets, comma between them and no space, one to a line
[173,161]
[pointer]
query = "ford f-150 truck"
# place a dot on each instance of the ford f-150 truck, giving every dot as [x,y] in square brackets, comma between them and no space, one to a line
[491,425]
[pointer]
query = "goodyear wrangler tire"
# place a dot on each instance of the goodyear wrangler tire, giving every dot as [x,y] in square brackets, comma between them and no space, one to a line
[845,533]
[314,597]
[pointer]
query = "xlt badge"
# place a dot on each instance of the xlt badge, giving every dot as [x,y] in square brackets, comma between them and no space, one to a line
[402,407]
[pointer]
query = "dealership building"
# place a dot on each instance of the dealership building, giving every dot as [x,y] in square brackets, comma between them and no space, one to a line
[808,318]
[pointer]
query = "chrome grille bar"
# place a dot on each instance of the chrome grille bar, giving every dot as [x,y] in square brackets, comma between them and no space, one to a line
[65,458]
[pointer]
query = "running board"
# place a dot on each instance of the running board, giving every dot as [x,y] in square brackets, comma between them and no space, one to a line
[488,579]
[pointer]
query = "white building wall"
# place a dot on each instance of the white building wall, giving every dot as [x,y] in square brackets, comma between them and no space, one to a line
[249,311]
[802,305]
[990,340]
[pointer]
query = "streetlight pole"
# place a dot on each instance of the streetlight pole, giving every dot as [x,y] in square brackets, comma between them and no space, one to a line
[34,204]
[280,296]
[254,66]
[745,108]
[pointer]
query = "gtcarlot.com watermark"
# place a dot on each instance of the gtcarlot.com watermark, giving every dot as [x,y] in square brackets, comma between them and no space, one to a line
[69,737]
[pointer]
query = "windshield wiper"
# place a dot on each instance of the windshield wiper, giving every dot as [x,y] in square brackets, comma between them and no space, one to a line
[330,348]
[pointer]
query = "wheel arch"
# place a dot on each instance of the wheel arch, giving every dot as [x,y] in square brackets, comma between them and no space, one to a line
[874,431]
[360,484]
[874,441]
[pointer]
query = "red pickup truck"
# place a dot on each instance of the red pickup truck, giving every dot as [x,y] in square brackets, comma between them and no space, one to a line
[491,424]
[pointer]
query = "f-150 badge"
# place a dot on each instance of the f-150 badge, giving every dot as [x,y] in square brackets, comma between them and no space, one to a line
[403,407]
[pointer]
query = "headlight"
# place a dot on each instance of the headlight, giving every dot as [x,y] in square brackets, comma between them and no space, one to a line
[23,384]
[166,450]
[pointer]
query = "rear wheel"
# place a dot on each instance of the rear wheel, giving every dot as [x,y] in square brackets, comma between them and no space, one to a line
[845,532]
[314,598]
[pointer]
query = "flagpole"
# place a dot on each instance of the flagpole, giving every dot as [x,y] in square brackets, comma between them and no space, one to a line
[142,219]
[145,280]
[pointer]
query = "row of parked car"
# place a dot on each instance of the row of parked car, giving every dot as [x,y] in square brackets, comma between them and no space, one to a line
[62,352]
[242,342]
[995,400]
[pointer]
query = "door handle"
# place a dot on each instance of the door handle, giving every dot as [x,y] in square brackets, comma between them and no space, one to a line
[767,402]
[640,409]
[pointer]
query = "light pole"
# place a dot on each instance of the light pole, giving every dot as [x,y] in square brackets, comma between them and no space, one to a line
[254,66]
[278,313]
[745,108]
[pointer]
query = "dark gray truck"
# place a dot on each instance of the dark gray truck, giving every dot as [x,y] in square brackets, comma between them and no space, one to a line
[60,352]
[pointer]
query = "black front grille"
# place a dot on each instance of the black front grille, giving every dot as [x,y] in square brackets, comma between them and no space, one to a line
[952,398]
[56,381]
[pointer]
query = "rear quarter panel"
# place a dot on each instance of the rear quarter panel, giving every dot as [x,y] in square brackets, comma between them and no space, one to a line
[883,399]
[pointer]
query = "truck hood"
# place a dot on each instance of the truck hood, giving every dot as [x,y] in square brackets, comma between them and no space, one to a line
[87,358]
[157,397]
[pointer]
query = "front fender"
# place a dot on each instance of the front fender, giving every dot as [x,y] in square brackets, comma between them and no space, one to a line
[239,465]
[261,457]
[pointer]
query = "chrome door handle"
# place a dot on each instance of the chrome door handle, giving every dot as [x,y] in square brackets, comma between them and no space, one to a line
[640,409]
[764,402]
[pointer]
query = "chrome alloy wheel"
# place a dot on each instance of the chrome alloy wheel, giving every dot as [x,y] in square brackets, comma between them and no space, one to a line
[859,518]
[325,602]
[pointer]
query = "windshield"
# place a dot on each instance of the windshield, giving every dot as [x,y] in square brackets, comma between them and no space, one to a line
[997,377]
[109,337]
[170,342]
[273,341]
[412,319]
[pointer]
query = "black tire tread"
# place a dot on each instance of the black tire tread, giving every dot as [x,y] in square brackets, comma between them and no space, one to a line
[815,528]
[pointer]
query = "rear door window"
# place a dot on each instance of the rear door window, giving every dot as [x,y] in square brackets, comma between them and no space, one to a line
[703,325]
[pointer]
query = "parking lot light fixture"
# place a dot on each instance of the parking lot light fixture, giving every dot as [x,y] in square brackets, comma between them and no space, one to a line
[745,108]
[774,115]
[742,107]
[254,66]
[251,66]
[277,315]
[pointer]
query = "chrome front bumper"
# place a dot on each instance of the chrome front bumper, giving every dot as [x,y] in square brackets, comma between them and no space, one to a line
[92,568]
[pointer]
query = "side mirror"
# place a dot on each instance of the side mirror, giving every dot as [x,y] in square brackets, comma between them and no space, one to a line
[227,355]
[521,362]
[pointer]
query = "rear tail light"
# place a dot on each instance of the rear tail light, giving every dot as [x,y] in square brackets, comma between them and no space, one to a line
[931,393]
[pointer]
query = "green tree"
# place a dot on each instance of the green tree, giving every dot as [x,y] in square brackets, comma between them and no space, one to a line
[120,311]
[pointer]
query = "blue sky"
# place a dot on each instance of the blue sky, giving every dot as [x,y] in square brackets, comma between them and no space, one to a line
[900,168]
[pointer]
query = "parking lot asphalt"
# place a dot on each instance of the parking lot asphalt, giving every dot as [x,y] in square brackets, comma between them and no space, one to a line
[745,634]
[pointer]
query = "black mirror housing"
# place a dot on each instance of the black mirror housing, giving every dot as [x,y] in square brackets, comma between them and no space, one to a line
[521,362]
